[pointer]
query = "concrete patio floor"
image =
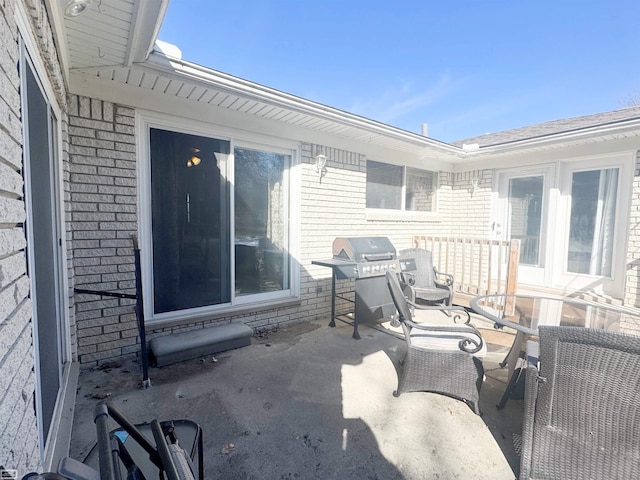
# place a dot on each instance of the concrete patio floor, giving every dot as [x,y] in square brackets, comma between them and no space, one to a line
[309,402]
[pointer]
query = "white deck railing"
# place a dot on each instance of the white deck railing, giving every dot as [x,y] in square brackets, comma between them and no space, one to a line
[479,266]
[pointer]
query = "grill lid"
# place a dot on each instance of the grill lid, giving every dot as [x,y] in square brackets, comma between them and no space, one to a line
[363,249]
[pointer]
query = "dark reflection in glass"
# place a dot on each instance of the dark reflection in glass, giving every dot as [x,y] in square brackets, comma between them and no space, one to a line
[190,223]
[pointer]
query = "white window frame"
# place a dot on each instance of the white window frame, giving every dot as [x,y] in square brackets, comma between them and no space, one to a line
[613,285]
[145,120]
[529,274]
[54,441]
[372,211]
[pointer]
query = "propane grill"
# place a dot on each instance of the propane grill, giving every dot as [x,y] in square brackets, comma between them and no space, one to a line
[365,260]
[373,256]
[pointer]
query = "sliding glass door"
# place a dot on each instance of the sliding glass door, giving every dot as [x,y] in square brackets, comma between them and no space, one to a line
[207,196]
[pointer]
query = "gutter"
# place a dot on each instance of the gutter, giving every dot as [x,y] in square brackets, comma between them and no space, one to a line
[618,126]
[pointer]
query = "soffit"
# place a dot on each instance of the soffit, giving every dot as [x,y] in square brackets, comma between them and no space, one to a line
[109,33]
[178,79]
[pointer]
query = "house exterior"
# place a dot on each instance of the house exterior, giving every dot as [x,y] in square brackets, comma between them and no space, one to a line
[232,190]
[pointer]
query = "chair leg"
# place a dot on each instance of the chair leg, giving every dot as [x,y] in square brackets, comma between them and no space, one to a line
[513,381]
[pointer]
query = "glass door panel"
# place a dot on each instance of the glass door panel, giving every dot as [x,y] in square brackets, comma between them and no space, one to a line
[525,211]
[592,222]
[521,214]
[190,221]
[260,220]
[42,252]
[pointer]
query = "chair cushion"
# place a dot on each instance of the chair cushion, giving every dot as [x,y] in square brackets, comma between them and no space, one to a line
[448,340]
[433,294]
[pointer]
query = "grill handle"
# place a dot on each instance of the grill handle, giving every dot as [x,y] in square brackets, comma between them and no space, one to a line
[372,257]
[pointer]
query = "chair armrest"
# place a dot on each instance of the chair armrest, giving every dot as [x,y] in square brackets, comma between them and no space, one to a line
[461,312]
[407,288]
[448,278]
[458,331]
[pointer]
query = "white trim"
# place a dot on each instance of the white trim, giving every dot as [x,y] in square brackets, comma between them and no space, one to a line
[613,285]
[528,274]
[59,439]
[149,119]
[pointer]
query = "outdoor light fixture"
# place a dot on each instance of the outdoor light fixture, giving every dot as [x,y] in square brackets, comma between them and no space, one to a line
[474,186]
[75,8]
[321,162]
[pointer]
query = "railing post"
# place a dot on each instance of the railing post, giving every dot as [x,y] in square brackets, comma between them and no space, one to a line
[512,276]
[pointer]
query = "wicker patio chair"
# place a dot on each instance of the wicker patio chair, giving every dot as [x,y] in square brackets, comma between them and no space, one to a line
[426,284]
[582,408]
[442,356]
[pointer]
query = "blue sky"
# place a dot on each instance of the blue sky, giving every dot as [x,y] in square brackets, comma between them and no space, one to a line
[464,67]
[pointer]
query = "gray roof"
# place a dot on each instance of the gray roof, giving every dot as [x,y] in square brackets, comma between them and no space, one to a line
[553,127]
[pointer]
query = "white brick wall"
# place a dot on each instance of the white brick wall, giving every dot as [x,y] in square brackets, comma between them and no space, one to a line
[103,219]
[19,448]
[632,286]
[102,176]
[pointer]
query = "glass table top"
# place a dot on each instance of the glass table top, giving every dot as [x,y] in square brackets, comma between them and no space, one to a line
[526,312]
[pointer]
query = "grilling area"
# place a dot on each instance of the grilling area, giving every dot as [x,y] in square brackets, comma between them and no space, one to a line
[364,260]
[316,400]
[341,396]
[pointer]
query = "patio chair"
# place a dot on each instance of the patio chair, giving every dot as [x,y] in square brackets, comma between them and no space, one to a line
[426,284]
[442,356]
[582,415]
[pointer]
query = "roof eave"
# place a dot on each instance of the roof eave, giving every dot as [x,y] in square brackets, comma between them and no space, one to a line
[235,85]
[148,20]
[617,127]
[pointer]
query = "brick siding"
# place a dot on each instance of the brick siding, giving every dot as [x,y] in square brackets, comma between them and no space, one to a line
[103,219]
[632,284]
[19,448]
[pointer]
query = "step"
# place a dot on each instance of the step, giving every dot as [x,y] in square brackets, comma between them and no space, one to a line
[178,347]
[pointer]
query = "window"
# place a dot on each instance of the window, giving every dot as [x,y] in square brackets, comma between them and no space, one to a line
[592,222]
[199,210]
[261,217]
[525,216]
[394,187]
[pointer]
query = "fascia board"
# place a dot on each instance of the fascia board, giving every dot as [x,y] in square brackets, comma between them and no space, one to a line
[558,139]
[57,25]
[223,119]
[180,69]
[147,21]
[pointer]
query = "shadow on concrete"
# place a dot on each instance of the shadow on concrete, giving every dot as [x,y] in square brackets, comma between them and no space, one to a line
[308,402]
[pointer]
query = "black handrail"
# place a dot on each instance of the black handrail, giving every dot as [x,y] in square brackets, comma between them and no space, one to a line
[139,309]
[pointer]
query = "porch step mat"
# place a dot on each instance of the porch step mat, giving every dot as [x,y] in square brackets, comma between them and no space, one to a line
[178,347]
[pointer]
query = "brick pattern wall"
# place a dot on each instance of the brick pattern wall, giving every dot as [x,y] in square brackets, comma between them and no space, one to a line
[102,167]
[335,206]
[102,220]
[18,430]
[471,204]
[632,286]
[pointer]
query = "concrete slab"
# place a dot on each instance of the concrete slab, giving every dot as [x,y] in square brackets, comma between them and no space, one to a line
[309,402]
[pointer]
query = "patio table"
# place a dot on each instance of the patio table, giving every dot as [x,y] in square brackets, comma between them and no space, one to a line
[525,313]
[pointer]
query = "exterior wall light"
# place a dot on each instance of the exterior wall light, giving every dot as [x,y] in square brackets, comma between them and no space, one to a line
[321,165]
[75,8]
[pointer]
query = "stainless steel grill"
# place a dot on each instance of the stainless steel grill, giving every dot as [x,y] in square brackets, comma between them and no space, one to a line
[365,256]
[366,260]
